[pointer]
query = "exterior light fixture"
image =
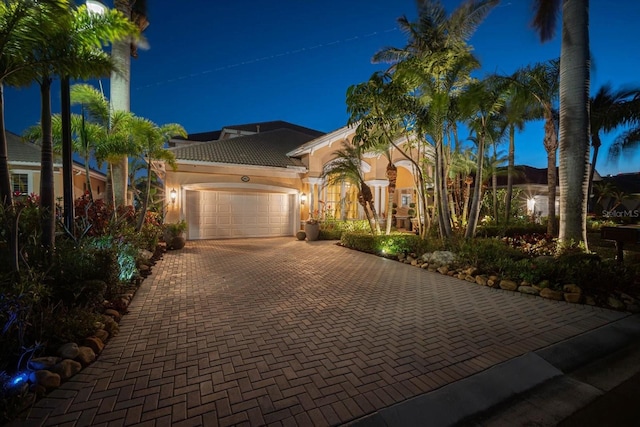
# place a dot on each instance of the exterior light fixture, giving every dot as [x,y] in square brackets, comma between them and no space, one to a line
[531,205]
[173,195]
[97,7]
[303,198]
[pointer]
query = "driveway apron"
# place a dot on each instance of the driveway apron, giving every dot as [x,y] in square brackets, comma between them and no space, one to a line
[280,331]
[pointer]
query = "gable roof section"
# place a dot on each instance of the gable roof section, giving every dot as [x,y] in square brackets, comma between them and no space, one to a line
[249,128]
[22,152]
[260,149]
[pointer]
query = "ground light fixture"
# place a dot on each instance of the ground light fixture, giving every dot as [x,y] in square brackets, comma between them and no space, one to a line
[173,195]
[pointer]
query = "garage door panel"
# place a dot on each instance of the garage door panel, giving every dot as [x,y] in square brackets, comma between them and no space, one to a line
[223,215]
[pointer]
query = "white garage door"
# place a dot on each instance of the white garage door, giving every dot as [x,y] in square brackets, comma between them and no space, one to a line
[228,215]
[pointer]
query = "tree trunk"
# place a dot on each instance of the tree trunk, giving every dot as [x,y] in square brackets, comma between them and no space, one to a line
[595,143]
[574,121]
[392,176]
[551,146]
[6,190]
[120,99]
[145,199]
[494,188]
[474,214]
[510,171]
[47,196]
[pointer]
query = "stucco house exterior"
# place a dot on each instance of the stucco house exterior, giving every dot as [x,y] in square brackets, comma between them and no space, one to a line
[24,170]
[264,179]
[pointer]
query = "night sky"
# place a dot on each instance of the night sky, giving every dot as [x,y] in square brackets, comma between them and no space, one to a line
[214,63]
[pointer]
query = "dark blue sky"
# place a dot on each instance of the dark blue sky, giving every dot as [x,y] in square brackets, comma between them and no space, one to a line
[214,63]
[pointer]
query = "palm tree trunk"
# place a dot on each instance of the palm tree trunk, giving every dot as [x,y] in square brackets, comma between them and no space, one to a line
[494,188]
[47,196]
[551,146]
[145,199]
[574,120]
[510,170]
[120,98]
[474,214]
[5,178]
[595,143]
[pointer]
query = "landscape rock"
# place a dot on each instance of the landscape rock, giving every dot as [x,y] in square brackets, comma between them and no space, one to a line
[481,280]
[47,379]
[86,356]
[68,350]
[572,289]
[551,294]
[589,300]
[94,343]
[145,254]
[102,334]
[67,368]
[443,270]
[461,276]
[469,278]
[529,290]
[115,314]
[42,363]
[492,283]
[614,302]
[425,265]
[439,258]
[508,285]
[573,297]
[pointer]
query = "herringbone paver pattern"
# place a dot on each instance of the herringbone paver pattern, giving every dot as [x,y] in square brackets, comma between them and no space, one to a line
[283,332]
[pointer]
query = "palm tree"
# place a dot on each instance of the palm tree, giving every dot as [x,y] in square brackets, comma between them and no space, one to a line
[435,62]
[574,109]
[23,26]
[346,166]
[122,51]
[541,82]
[610,110]
[152,139]
[74,49]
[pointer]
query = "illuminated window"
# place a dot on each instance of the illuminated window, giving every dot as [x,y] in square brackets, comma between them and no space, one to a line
[20,183]
[342,201]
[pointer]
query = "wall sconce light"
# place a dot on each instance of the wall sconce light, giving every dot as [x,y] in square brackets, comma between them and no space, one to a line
[173,195]
[303,198]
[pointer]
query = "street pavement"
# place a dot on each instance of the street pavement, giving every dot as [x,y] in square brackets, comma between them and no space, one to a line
[285,332]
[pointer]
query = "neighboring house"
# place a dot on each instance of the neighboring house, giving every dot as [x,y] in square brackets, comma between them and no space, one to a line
[24,170]
[622,198]
[264,179]
[535,189]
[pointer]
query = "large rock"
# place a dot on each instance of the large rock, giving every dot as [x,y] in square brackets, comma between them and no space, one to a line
[102,334]
[572,297]
[68,350]
[481,280]
[551,294]
[508,285]
[67,368]
[86,355]
[47,379]
[41,363]
[572,289]
[529,290]
[94,343]
[439,258]
[614,302]
[115,314]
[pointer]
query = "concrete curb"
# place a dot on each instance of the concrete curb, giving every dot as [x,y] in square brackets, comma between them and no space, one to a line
[473,395]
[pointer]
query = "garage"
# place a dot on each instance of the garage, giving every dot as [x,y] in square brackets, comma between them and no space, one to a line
[233,215]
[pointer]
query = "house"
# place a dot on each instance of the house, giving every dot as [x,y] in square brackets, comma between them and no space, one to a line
[264,179]
[618,196]
[24,170]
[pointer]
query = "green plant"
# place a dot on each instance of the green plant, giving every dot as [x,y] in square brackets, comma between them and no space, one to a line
[176,229]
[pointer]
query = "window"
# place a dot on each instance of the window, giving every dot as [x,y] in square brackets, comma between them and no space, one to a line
[20,184]
[342,201]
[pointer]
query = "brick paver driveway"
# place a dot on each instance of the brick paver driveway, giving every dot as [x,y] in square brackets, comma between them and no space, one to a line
[274,331]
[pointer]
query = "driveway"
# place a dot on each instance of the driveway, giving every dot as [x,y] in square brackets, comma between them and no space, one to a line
[270,331]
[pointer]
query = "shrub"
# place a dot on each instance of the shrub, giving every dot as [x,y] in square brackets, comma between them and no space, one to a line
[392,244]
[333,229]
[487,254]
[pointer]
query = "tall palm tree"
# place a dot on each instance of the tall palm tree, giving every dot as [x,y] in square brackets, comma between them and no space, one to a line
[122,51]
[575,64]
[346,166]
[152,139]
[611,110]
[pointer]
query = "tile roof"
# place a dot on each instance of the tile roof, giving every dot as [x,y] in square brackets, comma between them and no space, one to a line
[257,127]
[260,149]
[19,150]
